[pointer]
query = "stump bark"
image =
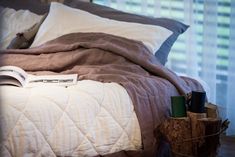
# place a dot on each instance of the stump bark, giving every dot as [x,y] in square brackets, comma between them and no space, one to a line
[196,132]
[209,127]
[175,130]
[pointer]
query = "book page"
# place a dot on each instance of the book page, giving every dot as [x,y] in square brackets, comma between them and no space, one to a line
[59,80]
[13,75]
[6,80]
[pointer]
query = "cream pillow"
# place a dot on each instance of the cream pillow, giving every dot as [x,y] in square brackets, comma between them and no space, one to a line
[62,20]
[13,22]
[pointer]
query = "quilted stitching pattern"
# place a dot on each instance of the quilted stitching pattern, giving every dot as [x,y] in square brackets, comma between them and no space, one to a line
[86,119]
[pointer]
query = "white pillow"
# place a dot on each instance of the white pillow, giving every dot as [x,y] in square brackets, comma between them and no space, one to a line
[63,20]
[13,22]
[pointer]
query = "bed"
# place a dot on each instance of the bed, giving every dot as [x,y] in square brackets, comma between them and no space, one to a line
[123,89]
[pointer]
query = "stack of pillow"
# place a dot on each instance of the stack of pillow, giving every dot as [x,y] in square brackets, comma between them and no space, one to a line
[157,34]
[13,23]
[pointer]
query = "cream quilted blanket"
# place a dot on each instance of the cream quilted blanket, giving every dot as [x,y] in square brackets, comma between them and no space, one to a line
[86,119]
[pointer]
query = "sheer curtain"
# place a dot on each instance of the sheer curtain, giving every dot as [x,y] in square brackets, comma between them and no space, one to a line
[206,50]
[231,71]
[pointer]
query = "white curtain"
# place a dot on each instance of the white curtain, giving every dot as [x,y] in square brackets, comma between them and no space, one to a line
[231,72]
[207,48]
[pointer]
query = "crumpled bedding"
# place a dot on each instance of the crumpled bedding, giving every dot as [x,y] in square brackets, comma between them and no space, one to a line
[107,58]
[87,119]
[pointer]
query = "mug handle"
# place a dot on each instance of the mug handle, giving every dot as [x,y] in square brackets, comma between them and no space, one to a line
[188,98]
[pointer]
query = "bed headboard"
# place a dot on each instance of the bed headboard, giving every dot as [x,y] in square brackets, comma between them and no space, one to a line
[60,1]
[36,6]
[48,1]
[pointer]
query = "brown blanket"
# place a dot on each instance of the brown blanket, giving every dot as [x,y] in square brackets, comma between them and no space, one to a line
[108,58]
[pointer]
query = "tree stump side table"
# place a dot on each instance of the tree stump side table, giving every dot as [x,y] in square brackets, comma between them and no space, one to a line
[192,136]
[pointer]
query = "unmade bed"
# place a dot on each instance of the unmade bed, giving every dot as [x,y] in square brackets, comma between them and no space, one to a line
[122,94]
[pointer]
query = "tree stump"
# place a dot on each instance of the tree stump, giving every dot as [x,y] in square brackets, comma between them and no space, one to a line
[195,132]
[175,130]
[209,127]
[211,110]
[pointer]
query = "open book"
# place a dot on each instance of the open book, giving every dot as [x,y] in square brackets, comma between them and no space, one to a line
[12,75]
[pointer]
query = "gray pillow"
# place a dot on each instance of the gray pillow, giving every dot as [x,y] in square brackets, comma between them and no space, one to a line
[175,26]
[24,39]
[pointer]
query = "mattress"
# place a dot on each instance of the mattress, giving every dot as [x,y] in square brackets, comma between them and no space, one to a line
[87,119]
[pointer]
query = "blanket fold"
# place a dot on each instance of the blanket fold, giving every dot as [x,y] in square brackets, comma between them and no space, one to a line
[108,58]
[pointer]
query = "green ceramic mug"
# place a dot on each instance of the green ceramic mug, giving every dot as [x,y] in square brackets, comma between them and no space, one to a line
[178,108]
